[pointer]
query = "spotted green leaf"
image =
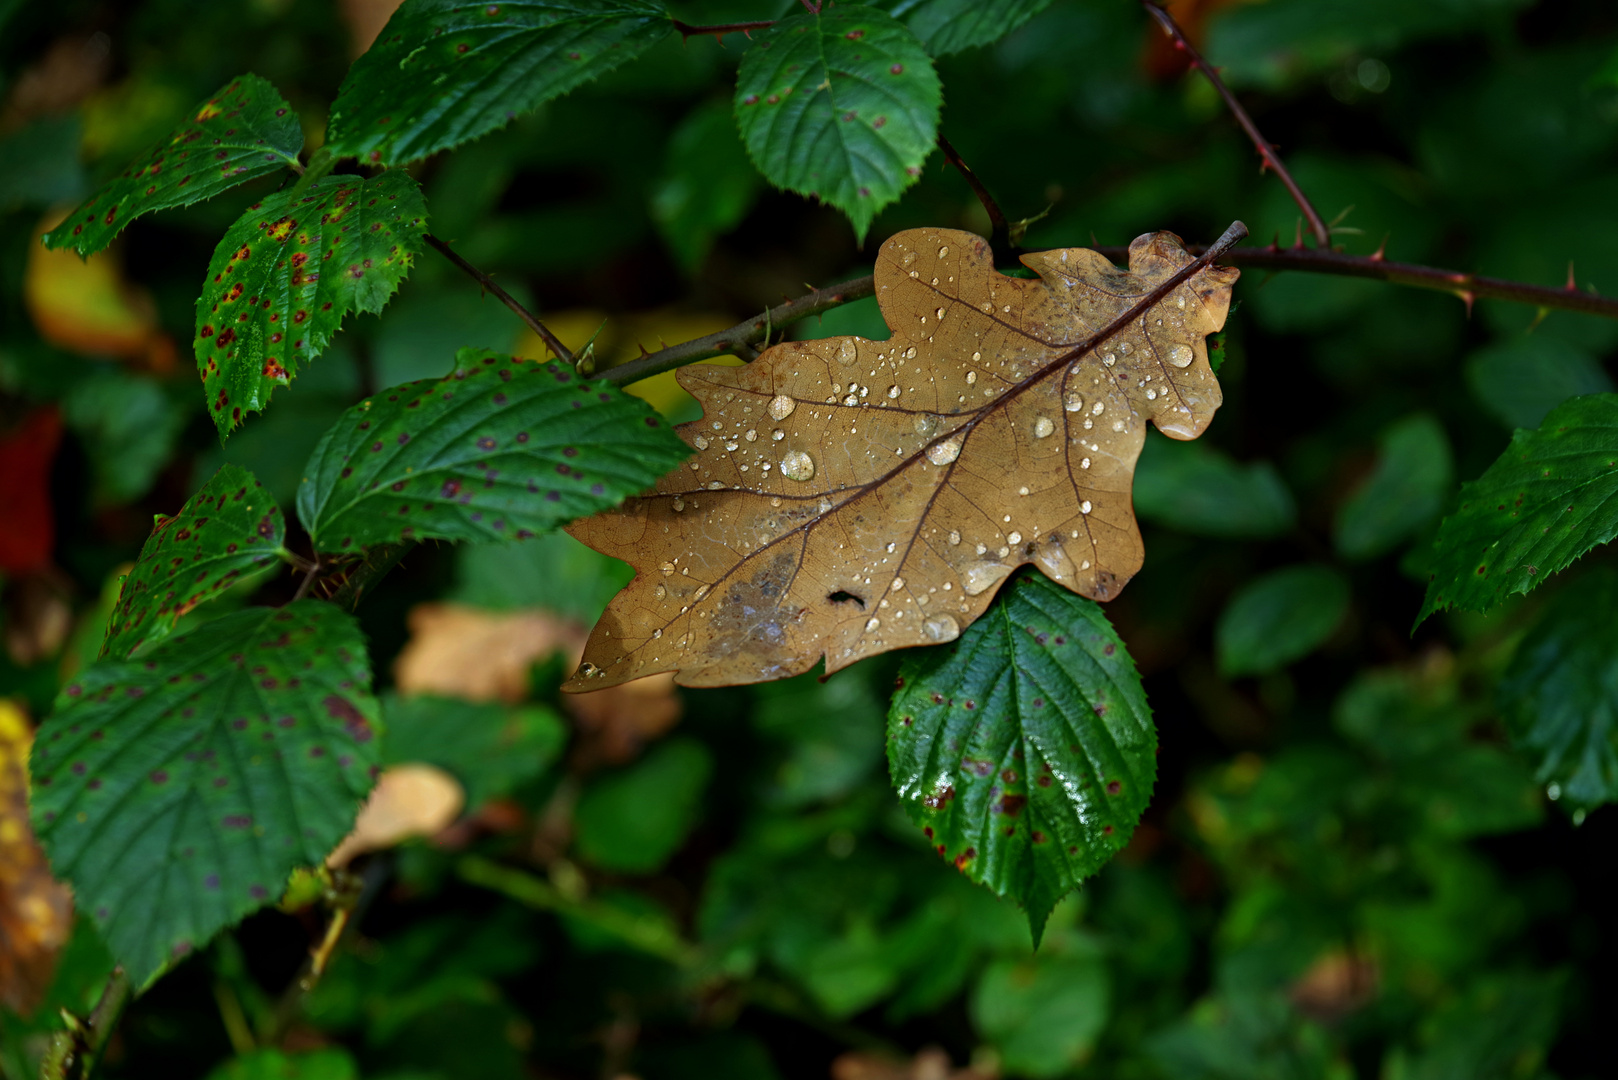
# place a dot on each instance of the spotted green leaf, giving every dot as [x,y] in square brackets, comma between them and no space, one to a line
[500,449]
[177,791]
[841,106]
[229,529]
[1560,695]
[243,131]
[444,72]
[948,26]
[287,272]
[1025,749]
[1551,497]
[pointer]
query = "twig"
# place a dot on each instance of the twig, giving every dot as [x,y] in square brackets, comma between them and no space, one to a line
[719,30]
[1266,152]
[308,580]
[74,1053]
[551,341]
[1000,237]
[742,334]
[357,581]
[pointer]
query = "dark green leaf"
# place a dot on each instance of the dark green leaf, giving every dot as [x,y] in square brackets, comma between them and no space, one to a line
[230,528]
[1280,617]
[503,448]
[287,272]
[1551,497]
[1560,695]
[1520,381]
[128,424]
[243,131]
[176,792]
[1025,749]
[947,26]
[1407,490]
[841,105]
[444,72]
[707,186]
[1043,1013]
[490,748]
[1196,489]
[553,571]
[275,1065]
[632,820]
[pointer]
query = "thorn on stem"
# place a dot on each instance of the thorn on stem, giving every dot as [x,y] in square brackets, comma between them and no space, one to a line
[1381,252]
[1571,285]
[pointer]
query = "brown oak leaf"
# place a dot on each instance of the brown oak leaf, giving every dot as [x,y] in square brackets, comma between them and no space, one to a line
[848,496]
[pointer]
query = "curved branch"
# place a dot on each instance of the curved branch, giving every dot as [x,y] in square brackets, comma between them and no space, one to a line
[552,342]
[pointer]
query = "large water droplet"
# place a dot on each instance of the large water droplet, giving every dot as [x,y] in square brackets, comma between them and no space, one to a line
[667,568]
[971,377]
[798,465]
[1043,427]
[954,537]
[982,575]
[893,391]
[660,592]
[588,671]
[700,442]
[873,623]
[781,406]
[926,425]
[846,352]
[942,453]
[941,628]
[1073,401]
[1181,356]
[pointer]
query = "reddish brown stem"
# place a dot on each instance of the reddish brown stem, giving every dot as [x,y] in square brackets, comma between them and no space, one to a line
[552,342]
[719,30]
[1000,237]
[1266,151]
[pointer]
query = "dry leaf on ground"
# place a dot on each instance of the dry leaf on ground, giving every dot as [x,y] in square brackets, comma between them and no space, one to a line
[847,496]
[36,911]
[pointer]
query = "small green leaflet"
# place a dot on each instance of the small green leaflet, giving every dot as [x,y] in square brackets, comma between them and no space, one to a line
[842,106]
[243,131]
[633,820]
[1560,695]
[501,449]
[176,792]
[1025,749]
[1551,497]
[1280,617]
[948,26]
[1413,477]
[1199,490]
[444,72]
[287,272]
[228,529]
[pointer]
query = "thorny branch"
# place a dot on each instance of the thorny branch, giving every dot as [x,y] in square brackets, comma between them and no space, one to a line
[1266,152]
[1000,237]
[551,341]
[719,30]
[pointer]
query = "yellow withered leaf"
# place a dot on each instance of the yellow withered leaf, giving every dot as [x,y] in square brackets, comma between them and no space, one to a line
[849,496]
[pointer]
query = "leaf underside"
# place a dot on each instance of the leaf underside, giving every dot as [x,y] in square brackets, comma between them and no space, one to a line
[1026,749]
[287,272]
[841,106]
[243,131]
[444,72]
[501,449]
[849,496]
[228,529]
[1551,497]
[176,792]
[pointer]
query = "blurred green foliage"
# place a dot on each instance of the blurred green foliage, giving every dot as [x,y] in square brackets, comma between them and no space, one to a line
[1368,854]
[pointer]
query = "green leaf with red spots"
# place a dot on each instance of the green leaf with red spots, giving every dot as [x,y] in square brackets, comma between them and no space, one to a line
[841,106]
[445,72]
[287,272]
[500,449]
[243,131]
[176,792]
[225,532]
[1025,749]
[1551,497]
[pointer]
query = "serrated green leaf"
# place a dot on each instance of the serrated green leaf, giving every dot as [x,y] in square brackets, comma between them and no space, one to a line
[948,26]
[1198,490]
[841,105]
[444,72]
[1560,695]
[176,792]
[632,820]
[1406,491]
[490,748]
[243,131]
[287,272]
[501,449]
[1280,617]
[1025,749]
[1551,497]
[230,528]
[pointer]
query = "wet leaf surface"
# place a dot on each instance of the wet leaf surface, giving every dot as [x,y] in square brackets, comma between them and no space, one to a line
[229,529]
[176,792]
[1026,750]
[443,72]
[1551,497]
[244,130]
[849,496]
[840,105]
[501,449]
[287,272]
